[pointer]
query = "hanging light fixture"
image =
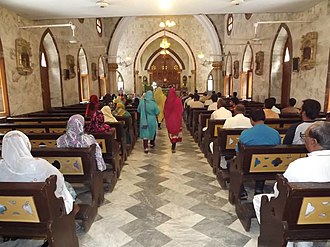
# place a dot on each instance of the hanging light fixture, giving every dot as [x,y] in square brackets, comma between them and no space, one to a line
[164,43]
[168,23]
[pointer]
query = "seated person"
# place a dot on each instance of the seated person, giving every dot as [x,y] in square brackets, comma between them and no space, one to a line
[274,108]
[107,100]
[259,134]
[309,112]
[18,165]
[233,103]
[108,117]
[291,109]
[214,105]
[221,112]
[97,124]
[239,120]
[269,103]
[209,101]
[120,110]
[196,103]
[204,97]
[314,168]
[76,138]
[189,100]
[92,106]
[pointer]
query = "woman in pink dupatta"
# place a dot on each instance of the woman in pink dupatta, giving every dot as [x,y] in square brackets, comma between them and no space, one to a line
[173,116]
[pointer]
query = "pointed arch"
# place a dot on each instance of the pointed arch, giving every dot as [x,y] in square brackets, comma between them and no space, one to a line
[50,71]
[281,66]
[102,77]
[228,80]
[246,78]
[84,81]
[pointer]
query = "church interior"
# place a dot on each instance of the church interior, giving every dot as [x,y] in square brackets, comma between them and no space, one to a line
[55,54]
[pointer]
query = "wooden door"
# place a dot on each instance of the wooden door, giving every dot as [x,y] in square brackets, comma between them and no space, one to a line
[165,72]
[44,80]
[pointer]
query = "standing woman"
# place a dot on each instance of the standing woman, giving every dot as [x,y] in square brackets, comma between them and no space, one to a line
[160,99]
[173,116]
[148,110]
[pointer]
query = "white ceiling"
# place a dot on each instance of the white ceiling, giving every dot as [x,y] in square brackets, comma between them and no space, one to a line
[57,9]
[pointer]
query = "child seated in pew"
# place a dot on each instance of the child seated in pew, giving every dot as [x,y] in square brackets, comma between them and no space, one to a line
[314,168]
[76,138]
[18,165]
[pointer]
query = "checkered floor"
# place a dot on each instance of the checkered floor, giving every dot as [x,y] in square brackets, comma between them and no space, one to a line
[165,199]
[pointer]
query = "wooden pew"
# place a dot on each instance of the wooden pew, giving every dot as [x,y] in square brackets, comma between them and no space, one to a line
[195,120]
[31,209]
[224,145]
[78,165]
[129,130]
[202,120]
[258,163]
[284,218]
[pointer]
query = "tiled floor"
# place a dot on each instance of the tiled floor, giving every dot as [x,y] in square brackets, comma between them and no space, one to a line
[165,199]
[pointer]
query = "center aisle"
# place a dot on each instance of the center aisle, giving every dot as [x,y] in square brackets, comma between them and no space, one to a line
[165,199]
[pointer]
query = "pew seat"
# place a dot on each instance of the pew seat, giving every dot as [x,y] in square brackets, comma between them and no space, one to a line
[31,209]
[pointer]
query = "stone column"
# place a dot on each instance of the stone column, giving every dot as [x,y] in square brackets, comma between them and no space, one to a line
[137,83]
[112,78]
[217,76]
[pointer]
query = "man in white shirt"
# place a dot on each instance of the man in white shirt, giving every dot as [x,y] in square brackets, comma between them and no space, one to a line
[314,168]
[222,112]
[239,120]
[274,108]
[196,103]
[214,105]
[189,99]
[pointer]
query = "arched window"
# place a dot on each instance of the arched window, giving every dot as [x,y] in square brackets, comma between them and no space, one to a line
[43,61]
[84,82]
[210,83]
[246,80]
[99,27]
[102,78]
[230,24]
[287,55]
[4,106]
[120,82]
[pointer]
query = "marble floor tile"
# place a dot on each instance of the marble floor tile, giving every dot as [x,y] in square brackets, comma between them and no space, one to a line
[170,200]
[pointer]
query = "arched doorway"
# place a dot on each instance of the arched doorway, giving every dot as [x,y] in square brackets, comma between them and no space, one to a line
[50,72]
[102,77]
[228,80]
[281,66]
[246,79]
[83,76]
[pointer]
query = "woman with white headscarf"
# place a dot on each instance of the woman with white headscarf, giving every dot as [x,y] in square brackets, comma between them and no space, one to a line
[76,138]
[18,165]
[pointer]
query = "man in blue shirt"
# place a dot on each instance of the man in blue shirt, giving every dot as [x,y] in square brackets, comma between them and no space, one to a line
[259,135]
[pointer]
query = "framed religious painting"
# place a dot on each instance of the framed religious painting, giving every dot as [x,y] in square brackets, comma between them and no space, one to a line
[308,51]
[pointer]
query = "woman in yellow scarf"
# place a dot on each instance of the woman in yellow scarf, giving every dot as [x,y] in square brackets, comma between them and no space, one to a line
[160,99]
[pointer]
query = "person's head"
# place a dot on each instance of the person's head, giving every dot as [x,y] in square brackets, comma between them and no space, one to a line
[191,96]
[234,101]
[214,98]
[93,99]
[15,147]
[273,99]
[239,109]
[196,97]
[75,125]
[269,103]
[107,99]
[196,91]
[310,109]
[205,93]
[221,103]
[292,102]
[98,117]
[213,92]
[317,136]
[235,94]
[148,95]
[257,116]
[219,94]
